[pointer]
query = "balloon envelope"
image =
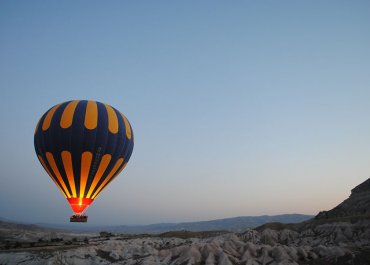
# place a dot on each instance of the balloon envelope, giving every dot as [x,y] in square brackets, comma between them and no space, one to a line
[83,145]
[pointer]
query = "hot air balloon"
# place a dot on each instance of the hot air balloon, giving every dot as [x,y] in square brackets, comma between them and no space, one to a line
[83,145]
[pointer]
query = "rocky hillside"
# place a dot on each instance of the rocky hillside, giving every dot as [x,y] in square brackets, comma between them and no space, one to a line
[356,206]
[336,237]
[12,232]
[269,247]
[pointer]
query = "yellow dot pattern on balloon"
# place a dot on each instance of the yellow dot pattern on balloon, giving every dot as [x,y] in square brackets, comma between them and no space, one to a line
[119,171]
[68,113]
[111,174]
[51,175]
[127,126]
[85,169]
[51,161]
[91,115]
[68,168]
[49,117]
[102,167]
[112,119]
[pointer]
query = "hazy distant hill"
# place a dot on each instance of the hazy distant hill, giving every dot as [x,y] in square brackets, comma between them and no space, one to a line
[337,237]
[11,231]
[14,230]
[236,224]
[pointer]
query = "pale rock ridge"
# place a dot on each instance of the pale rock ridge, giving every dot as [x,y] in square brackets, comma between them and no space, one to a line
[222,250]
[333,236]
[357,205]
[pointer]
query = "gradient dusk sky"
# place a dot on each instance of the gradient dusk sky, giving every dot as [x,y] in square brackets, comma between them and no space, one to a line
[238,108]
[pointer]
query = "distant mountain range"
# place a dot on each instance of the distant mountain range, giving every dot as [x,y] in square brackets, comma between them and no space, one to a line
[236,224]
[337,237]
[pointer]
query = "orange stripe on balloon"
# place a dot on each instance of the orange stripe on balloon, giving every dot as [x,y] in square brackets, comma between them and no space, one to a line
[49,117]
[111,174]
[51,175]
[119,171]
[102,167]
[127,126]
[91,115]
[68,113]
[116,174]
[85,169]
[50,158]
[68,167]
[112,119]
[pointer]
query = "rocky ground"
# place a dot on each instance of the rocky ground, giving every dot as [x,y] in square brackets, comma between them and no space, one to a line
[339,236]
[323,245]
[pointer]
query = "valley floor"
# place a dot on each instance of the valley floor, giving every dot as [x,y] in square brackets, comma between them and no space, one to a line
[317,246]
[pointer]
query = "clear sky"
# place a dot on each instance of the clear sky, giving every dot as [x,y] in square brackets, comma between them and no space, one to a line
[238,108]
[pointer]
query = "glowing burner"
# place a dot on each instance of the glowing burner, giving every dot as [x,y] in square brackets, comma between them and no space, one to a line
[79,205]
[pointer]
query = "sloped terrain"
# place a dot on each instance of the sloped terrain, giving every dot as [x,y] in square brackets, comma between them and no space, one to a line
[10,231]
[251,247]
[357,206]
[336,237]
